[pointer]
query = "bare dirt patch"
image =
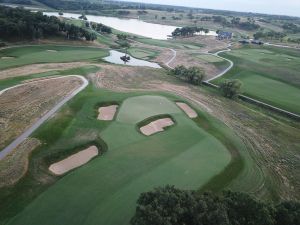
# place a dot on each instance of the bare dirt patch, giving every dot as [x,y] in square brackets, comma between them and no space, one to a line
[14,166]
[74,161]
[107,113]
[187,109]
[156,126]
[22,106]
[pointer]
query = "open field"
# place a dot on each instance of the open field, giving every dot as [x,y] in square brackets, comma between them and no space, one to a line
[20,107]
[41,54]
[268,74]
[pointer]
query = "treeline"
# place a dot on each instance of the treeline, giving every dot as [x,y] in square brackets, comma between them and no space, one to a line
[21,2]
[269,35]
[193,75]
[291,28]
[169,205]
[188,31]
[105,5]
[18,23]
[76,5]
[101,28]
[234,22]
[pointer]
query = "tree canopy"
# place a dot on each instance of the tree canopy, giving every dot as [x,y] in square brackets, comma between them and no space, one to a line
[193,75]
[18,23]
[188,31]
[231,88]
[169,206]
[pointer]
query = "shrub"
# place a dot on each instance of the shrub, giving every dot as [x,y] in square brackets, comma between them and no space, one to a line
[231,88]
[193,75]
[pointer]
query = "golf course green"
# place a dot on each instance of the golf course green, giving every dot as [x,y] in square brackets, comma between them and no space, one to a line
[185,155]
[268,74]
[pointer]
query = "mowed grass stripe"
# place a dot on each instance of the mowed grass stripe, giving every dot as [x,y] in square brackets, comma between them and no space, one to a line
[270,75]
[98,191]
[40,54]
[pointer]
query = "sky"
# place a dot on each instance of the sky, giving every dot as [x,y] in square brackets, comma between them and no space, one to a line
[280,7]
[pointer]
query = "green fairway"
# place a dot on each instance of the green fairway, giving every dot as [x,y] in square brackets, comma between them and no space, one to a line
[105,190]
[48,54]
[209,58]
[268,74]
[177,44]
[143,53]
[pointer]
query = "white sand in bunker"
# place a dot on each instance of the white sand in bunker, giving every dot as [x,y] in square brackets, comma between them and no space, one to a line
[187,109]
[74,161]
[107,112]
[156,126]
[50,50]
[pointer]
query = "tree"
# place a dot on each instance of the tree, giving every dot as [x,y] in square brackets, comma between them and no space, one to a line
[124,44]
[231,88]
[169,205]
[193,75]
[287,213]
[244,209]
[60,13]
[122,37]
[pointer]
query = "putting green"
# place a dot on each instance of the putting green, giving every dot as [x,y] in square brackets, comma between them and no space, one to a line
[105,190]
[136,109]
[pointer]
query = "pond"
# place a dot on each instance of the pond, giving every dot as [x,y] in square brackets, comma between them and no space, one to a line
[115,58]
[134,26]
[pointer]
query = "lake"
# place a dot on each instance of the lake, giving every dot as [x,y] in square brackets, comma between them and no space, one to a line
[134,26]
[115,58]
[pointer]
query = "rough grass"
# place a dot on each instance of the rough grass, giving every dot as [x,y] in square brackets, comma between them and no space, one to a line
[268,74]
[132,164]
[39,54]
[209,58]
[84,70]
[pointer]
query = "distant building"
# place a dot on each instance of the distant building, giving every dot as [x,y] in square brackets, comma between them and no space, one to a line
[222,35]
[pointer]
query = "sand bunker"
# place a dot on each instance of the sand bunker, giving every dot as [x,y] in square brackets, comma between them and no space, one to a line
[49,50]
[107,113]
[74,161]
[156,126]
[7,57]
[187,109]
